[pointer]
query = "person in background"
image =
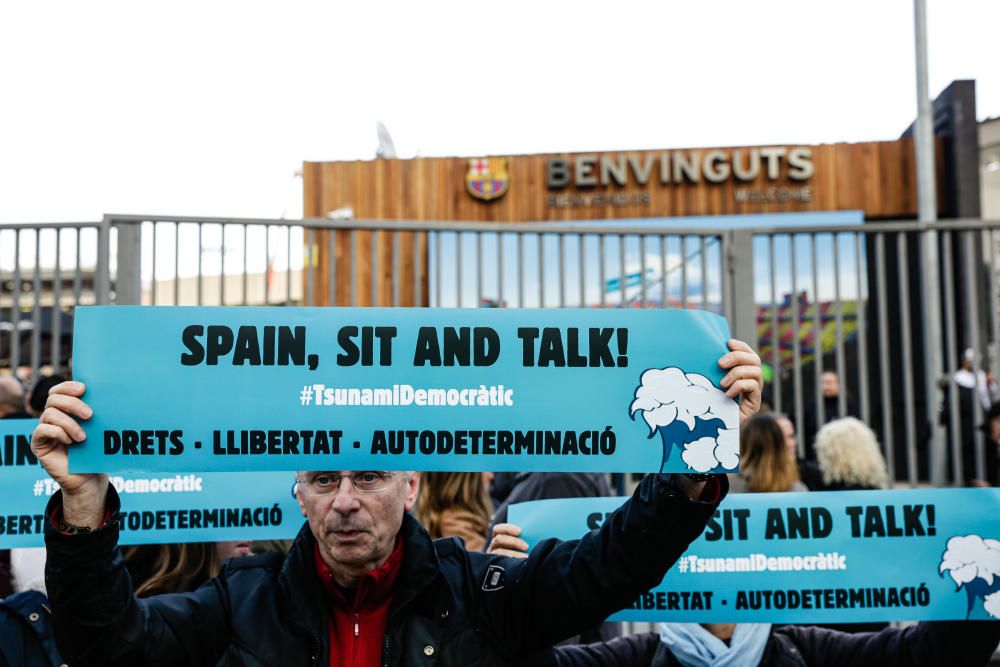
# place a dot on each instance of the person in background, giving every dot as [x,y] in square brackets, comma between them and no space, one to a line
[501,486]
[829,387]
[35,403]
[968,388]
[983,385]
[991,446]
[456,504]
[990,429]
[12,399]
[809,471]
[766,465]
[849,457]
[965,403]
[178,568]
[850,460]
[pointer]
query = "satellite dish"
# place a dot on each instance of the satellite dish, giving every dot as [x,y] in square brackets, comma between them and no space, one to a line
[386,149]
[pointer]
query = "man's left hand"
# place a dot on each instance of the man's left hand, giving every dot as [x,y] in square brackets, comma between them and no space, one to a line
[506,541]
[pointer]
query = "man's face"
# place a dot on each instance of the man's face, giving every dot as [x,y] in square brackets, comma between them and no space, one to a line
[829,384]
[356,530]
[788,429]
[995,429]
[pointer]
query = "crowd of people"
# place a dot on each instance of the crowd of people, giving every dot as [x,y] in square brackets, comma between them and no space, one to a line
[375,576]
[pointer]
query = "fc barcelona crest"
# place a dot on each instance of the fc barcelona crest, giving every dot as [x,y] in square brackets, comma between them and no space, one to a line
[487,178]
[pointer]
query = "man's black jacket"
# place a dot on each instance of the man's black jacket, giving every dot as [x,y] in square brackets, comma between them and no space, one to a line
[965,643]
[450,607]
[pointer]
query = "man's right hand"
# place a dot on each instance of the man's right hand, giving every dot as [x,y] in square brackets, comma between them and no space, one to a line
[57,430]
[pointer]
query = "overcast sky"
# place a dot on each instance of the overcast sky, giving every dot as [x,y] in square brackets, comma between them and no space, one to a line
[209,108]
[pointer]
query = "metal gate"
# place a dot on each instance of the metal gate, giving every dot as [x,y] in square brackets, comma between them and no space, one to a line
[848,299]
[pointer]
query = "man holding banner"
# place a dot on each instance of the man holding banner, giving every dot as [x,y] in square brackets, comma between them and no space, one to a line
[363,583]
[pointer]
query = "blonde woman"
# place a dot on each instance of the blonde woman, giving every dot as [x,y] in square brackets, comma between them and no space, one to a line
[849,456]
[456,504]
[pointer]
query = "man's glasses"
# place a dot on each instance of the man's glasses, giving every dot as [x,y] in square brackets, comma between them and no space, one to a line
[366,481]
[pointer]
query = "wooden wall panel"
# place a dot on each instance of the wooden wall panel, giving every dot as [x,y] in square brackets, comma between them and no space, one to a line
[877,178]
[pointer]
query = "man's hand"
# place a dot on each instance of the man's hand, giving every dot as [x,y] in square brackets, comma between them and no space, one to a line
[57,430]
[743,379]
[506,542]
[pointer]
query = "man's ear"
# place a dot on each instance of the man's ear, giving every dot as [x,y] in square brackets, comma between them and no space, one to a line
[412,481]
[298,499]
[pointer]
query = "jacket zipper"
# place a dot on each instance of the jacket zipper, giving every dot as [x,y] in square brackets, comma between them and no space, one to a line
[357,624]
[318,644]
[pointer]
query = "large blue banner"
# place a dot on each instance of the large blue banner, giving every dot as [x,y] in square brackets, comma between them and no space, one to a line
[156,508]
[830,557]
[233,389]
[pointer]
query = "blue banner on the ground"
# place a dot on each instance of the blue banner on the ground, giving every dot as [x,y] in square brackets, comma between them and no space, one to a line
[829,557]
[233,389]
[156,508]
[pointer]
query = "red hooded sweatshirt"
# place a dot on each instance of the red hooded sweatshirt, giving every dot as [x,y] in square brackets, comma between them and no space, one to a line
[357,626]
